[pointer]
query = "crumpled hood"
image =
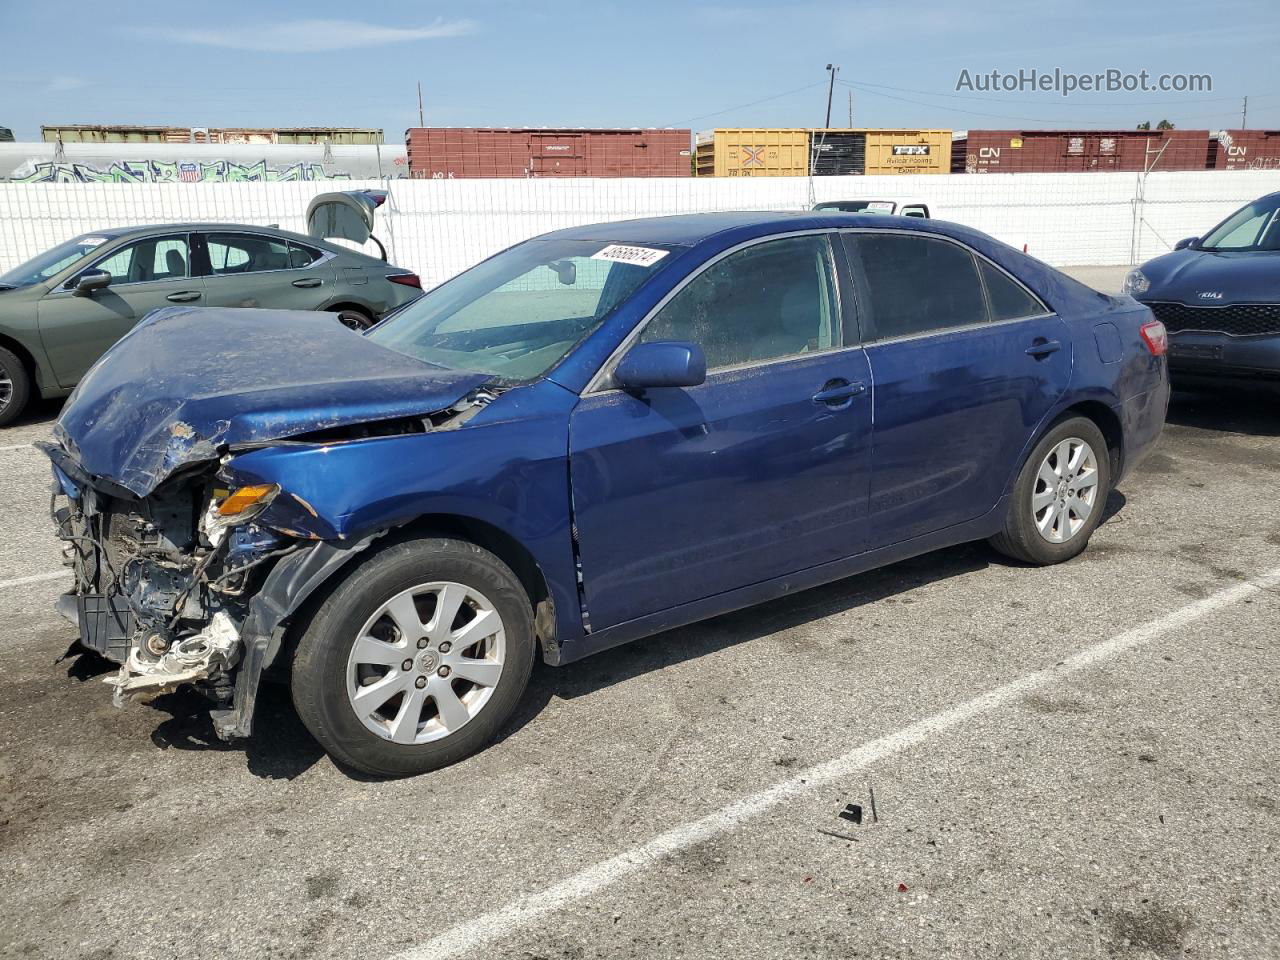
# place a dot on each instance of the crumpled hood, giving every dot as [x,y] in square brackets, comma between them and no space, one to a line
[186,383]
[1182,276]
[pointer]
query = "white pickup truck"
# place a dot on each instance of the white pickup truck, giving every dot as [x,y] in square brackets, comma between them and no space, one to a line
[901,208]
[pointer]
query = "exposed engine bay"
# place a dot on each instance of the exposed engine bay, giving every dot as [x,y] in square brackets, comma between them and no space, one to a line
[162,582]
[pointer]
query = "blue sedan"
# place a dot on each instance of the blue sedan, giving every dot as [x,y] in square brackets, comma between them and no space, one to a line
[591,437]
[1219,296]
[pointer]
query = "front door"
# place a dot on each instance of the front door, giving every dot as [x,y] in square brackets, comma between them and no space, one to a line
[147,274]
[681,494]
[966,363]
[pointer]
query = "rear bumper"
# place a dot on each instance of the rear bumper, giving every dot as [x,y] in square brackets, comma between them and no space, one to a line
[1141,422]
[1220,355]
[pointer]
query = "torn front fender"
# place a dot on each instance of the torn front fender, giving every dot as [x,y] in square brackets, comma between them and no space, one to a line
[291,581]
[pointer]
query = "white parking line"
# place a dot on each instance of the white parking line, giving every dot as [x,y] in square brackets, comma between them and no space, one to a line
[37,578]
[472,935]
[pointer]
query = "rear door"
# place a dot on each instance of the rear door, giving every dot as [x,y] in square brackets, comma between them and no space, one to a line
[258,270]
[684,493]
[966,363]
[146,274]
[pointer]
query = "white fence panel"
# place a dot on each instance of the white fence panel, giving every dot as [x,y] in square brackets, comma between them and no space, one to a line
[440,227]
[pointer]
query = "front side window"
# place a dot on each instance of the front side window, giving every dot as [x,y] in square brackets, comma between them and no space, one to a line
[231,253]
[516,315]
[909,285]
[155,258]
[771,300]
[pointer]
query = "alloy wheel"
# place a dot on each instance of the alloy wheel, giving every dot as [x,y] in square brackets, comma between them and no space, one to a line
[426,663]
[1066,490]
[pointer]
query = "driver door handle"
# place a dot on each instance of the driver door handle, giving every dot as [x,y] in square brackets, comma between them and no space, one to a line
[183,296]
[308,282]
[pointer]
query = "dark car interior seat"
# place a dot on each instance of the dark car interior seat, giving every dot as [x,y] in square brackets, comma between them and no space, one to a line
[267,258]
[176,264]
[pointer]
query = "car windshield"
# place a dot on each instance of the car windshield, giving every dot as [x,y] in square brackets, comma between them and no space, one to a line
[1255,227]
[516,315]
[51,262]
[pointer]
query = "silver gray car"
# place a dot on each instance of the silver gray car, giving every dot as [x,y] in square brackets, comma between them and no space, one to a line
[61,311]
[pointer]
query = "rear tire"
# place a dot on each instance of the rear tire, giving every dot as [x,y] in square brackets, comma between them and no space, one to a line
[15,387]
[350,682]
[354,319]
[1060,495]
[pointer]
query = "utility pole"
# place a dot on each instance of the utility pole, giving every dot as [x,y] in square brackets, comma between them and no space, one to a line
[421,122]
[831,89]
[1244,114]
[850,109]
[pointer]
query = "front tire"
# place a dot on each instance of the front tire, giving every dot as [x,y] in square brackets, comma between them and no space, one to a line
[1059,496]
[416,659]
[15,387]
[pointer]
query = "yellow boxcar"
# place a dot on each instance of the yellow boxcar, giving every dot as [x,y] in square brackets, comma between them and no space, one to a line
[908,151]
[757,152]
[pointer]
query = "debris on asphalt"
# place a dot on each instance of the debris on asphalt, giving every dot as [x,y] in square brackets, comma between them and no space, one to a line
[852,812]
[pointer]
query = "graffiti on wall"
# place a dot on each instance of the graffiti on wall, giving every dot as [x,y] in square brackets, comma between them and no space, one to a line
[166,171]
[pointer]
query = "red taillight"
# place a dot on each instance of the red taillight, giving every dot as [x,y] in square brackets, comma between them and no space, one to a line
[407,279]
[1154,336]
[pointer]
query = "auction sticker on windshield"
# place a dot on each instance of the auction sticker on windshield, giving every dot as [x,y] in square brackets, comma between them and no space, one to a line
[640,256]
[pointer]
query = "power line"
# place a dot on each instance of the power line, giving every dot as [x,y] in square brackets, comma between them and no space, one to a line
[1005,116]
[961,96]
[743,106]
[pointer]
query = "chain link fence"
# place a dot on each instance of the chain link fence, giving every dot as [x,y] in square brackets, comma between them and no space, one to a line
[440,227]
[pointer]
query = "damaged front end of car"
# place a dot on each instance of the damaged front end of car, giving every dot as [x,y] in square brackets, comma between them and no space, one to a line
[185,572]
[183,586]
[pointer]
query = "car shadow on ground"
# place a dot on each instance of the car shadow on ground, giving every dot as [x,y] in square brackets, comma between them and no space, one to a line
[37,412]
[683,644]
[1247,408]
[281,747]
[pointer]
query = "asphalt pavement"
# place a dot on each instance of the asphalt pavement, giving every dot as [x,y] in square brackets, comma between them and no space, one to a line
[1078,761]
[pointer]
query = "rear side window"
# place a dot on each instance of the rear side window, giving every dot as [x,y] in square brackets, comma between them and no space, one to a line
[911,285]
[300,256]
[1009,301]
[245,253]
[771,300]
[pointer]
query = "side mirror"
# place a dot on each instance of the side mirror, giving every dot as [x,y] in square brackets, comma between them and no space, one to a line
[667,363]
[92,280]
[1191,243]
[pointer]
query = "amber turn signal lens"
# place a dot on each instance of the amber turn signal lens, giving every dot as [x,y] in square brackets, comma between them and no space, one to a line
[246,497]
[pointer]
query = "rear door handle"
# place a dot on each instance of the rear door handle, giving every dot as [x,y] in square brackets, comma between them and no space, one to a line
[838,393]
[1042,348]
[308,282]
[183,296]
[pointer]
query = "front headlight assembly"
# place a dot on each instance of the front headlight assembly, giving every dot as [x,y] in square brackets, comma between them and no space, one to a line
[230,508]
[1135,282]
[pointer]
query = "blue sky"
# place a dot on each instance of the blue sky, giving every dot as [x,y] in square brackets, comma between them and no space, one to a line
[608,63]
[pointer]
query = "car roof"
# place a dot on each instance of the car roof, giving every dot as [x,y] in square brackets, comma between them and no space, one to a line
[695,228]
[115,232]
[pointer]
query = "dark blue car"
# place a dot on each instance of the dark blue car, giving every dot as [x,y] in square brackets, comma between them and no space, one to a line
[589,438]
[1219,296]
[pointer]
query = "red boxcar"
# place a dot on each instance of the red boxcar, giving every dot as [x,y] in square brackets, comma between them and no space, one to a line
[464,152]
[1074,151]
[1246,150]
